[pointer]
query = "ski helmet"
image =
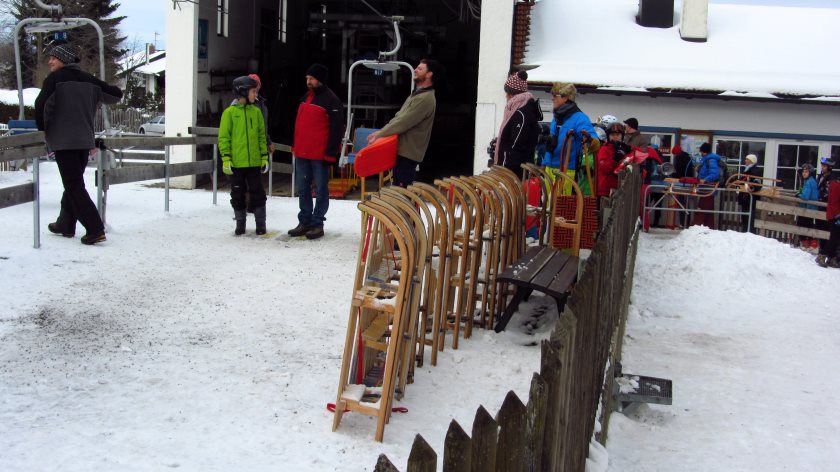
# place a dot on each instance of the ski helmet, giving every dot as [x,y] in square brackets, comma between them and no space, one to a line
[602,135]
[608,120]
[241,85]
[616,127]
[826,161]
[807,167]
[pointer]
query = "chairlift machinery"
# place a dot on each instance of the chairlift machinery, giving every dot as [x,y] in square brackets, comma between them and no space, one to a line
[56,23]
[382,63]
[53,24]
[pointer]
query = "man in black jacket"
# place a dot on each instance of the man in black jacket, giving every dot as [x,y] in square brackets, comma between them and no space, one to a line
[65,110]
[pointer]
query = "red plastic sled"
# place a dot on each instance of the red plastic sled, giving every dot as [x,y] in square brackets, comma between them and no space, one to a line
[377,157]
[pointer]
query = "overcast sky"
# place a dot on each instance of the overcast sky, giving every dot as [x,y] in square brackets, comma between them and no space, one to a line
[145,17]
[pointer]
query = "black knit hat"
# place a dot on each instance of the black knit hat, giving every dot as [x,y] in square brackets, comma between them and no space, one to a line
[706,148]
[319,71]
[65,53]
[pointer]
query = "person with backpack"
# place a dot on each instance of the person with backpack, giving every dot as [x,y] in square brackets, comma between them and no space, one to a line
[244,152]
[828,252]
[709,173]
[683,167]
[745,197]
[826,166]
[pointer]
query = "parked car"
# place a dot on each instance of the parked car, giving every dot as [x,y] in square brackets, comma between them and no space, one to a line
[156,126]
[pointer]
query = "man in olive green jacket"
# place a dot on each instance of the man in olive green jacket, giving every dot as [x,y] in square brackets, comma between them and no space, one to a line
[413,123]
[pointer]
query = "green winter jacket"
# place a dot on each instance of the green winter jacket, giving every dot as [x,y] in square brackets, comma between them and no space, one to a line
[242,136]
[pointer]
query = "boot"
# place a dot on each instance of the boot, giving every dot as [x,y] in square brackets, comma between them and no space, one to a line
[821,261]
[239,216]
[833,263]
[259,217]
[298,230]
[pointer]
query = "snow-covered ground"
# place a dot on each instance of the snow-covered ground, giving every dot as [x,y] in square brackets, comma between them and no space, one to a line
[747,329]
[175,345]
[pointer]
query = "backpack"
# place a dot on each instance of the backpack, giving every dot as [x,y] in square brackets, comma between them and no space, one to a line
[724,171]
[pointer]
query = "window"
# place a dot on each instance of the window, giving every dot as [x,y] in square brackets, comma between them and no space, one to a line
[222,17]
[790,159]
[664,141]
[281,26]
[835,153]
[734,151]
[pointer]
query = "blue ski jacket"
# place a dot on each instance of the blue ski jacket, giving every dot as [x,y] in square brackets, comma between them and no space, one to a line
[709,168]
[809,191]
[576,122]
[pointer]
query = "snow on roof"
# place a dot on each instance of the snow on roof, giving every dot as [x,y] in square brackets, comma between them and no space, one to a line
[153,68]
[757,49]
[10,97]
[132,61]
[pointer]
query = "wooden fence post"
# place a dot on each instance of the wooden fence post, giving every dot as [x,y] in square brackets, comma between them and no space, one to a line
[564,338]
[553,433]
[456,449]
[384,465]
[485,432]
[422,457]
[510,450]
[535,420]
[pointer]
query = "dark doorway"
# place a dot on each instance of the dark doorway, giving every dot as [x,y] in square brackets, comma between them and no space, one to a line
[337,33]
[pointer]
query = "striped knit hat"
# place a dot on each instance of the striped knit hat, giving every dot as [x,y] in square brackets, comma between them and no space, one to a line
[65,53]
[517,83]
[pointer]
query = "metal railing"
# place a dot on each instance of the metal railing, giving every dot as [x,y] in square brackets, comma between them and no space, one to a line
[24,146]
[33,146]
[726,206]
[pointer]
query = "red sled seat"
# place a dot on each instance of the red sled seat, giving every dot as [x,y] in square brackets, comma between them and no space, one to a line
[374,159]
[377,157]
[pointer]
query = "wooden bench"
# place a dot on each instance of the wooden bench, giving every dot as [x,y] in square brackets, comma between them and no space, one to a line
[544,269]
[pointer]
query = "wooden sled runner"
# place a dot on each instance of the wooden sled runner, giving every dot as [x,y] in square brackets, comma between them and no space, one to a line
[379,315]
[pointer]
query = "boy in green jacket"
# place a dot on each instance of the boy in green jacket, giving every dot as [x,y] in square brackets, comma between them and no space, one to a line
[244,154]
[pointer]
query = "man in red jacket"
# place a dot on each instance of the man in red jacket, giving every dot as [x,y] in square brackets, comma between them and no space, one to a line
[317,139]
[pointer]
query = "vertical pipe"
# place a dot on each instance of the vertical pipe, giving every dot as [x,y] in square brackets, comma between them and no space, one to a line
[270,171]
[17,60]
[293,175]
[100,184]
[215,172]
[166,178]
[36,202]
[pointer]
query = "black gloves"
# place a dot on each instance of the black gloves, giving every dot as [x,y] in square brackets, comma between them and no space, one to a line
[491,148]
[551,143]
[620,150]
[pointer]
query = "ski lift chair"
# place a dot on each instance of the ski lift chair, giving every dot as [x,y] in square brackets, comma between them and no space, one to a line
[347,179]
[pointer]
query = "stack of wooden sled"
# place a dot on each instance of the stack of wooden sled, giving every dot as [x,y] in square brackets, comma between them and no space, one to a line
[427,266]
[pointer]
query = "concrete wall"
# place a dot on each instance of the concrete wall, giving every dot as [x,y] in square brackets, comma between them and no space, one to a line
[494,64]
[181,57]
